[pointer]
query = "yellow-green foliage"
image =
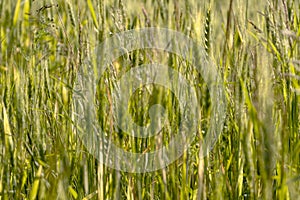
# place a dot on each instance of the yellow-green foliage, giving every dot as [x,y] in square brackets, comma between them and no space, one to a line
[44,44]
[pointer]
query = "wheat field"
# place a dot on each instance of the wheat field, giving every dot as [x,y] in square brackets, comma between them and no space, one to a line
[45,44]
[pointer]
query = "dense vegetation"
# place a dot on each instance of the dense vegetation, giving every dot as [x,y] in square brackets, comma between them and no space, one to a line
[45,43]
